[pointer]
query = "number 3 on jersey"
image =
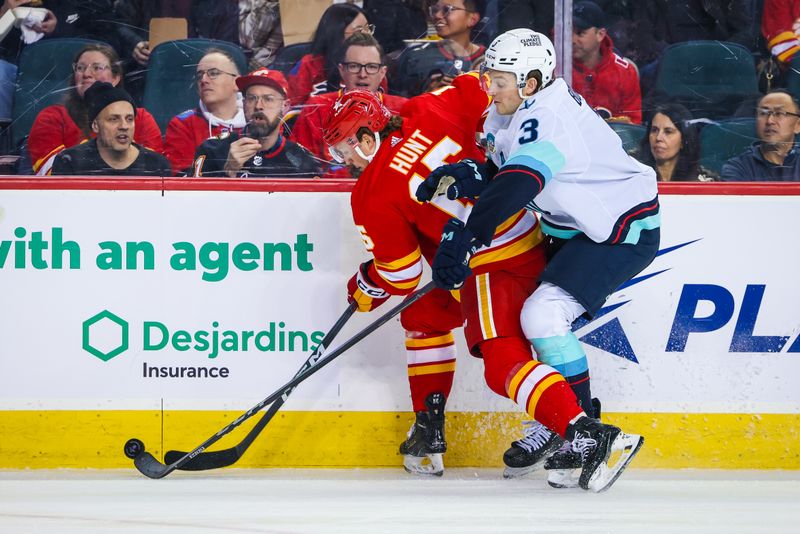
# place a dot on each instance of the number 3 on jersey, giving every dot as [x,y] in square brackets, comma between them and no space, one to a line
[529,133]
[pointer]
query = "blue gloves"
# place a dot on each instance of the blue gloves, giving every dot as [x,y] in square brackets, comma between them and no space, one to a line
[465,179]
[451,263]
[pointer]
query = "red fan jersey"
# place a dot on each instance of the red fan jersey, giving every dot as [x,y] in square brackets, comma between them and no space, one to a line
[777,26]
[438,128]
[612,87]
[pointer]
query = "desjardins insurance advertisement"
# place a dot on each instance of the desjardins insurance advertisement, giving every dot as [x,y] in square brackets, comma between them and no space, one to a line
[137,295]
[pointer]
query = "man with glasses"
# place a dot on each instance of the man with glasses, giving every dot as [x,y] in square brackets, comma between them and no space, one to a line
[261,149]
[432,66]
[219,110]
[774,158]
[361,67]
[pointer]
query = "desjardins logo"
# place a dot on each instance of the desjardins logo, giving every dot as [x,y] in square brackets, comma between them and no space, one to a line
[106,335]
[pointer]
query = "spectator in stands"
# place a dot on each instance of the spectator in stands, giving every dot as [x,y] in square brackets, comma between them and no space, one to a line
[112,114]
[780,25]
[64,125]
[361,66]
[608,82]
[317,72]
[261,150]
[260,30]
[219,110]
[671,146]
[64,18]
[210,19]
[774,158]
[428,67]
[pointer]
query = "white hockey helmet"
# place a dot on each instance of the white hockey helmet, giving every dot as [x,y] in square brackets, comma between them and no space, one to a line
[519,52]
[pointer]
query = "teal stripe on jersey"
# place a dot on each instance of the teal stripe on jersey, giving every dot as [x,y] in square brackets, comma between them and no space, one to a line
[542,157]
[563,353]
[561,233]
[635,231]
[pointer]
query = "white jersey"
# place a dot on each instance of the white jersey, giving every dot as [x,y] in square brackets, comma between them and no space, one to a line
[589,183]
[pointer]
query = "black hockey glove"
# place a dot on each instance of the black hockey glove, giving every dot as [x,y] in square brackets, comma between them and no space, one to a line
[465,179]
[451,263]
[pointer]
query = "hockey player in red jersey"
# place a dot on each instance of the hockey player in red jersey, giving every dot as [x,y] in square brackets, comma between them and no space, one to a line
[401,233]
[393,154]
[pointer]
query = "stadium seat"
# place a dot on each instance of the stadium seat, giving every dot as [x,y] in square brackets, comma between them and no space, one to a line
[631,134]
[722,140]
[170,87]
[711,78]
[44,75]
[289,55]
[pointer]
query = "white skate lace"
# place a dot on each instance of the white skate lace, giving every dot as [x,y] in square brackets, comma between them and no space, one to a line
[583,446]
[536,435]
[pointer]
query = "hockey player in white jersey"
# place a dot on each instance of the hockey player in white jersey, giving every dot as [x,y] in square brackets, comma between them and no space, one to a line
[551,153]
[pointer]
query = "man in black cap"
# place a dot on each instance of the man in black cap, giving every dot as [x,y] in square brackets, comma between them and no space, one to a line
[261,150]
[112,152]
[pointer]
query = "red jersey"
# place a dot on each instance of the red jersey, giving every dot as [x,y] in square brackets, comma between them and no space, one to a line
[185,133]
[612,87]
[54,130]
[438,128]
[776,26]
[308,129]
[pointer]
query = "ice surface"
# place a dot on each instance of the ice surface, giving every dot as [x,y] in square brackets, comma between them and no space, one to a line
[283,501]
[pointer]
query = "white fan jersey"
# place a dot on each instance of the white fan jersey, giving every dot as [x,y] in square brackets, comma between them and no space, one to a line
[588,183]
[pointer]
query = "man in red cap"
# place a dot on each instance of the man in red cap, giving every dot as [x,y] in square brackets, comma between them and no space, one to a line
[261,149]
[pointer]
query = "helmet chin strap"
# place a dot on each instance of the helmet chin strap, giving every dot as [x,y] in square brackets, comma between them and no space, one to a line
[377,146]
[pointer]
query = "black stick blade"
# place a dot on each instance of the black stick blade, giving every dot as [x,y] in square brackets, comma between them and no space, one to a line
[150,467]
[205,461]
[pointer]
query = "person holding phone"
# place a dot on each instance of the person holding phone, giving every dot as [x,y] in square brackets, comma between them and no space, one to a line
[261,149]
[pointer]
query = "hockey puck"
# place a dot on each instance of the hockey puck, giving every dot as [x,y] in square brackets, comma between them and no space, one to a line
[133,448]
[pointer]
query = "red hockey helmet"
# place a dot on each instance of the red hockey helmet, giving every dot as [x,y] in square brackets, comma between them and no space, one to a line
[354,110]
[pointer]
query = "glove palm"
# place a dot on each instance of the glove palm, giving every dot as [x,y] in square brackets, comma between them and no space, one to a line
[465,179]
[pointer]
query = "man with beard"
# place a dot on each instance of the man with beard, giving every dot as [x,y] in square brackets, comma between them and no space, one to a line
[261,149]
[112,115]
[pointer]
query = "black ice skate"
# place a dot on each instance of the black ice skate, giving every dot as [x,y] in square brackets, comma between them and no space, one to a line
[422,451]
[596,442]
[529,453]
[564,466]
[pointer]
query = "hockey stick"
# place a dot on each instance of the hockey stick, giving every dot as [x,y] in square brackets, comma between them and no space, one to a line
[147,464]
[224,458]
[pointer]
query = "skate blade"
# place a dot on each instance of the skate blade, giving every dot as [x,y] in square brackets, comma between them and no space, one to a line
[430,465]
[627,445]
[517,472]
[563,478]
